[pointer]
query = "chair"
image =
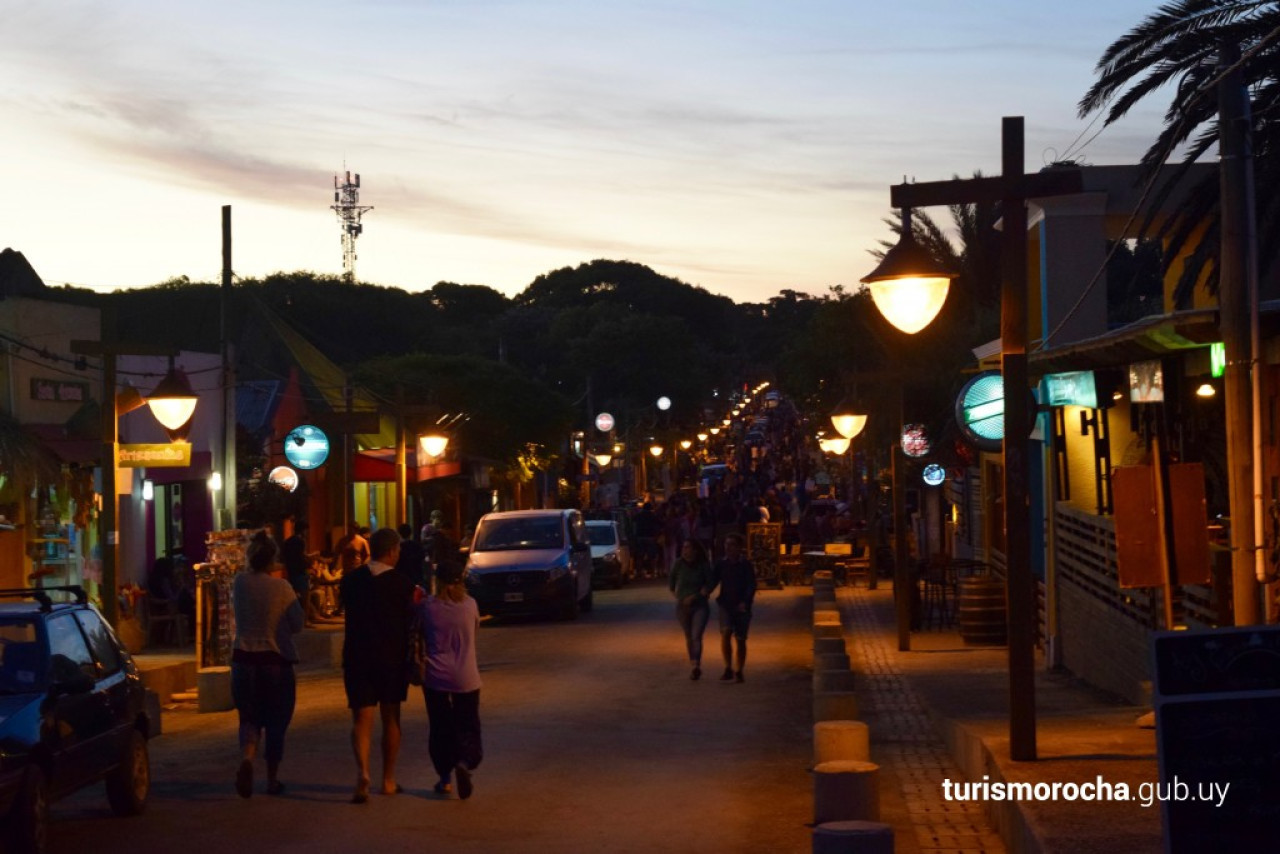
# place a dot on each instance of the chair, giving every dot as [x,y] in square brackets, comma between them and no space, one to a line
[938,596]
[164,614]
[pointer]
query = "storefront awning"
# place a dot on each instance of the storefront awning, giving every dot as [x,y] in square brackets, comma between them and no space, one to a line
[379,465]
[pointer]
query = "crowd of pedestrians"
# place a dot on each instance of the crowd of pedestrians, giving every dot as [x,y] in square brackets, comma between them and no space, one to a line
[396,633]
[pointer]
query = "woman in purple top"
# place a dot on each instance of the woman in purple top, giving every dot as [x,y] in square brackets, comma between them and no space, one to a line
[449,621]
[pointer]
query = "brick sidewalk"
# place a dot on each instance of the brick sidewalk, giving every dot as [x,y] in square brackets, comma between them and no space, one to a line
[941,711]
[907,745]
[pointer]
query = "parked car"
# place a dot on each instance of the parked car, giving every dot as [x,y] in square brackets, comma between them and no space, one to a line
[73,713]
[531,562]
[611,563]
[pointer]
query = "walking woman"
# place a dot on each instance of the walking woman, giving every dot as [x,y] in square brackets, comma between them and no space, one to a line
[451,686]
[692,583]
[267,615]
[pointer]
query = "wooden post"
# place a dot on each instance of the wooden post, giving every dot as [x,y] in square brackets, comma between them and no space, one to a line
[109,523]
[1234,313]
[1020,584]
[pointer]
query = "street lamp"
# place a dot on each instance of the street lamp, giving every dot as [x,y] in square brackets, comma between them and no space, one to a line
[656,450]
[837,445]
[603,459]
[847,420]
[702,437]
[433,445]
[173,402]
[1011,190]
[909,287]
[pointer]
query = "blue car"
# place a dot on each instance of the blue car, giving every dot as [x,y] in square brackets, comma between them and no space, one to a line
[73,713]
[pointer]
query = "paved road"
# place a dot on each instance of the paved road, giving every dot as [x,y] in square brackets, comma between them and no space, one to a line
[595,740]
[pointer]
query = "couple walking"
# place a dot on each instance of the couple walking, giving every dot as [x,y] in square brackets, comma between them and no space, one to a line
[693,579]
[380,608]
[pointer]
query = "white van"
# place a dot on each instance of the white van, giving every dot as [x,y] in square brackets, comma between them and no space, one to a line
[531,562]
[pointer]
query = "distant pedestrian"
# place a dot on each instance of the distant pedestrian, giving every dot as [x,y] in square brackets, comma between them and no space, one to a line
[377,602]
[293,554]
[692,584]
[448,622]
[737,580]
[267,616]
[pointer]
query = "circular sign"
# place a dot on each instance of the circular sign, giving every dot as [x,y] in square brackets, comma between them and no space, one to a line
[306,447]
[604,422]
[284,476]
[664,403]
[934,474]
[915,440]
[980,410]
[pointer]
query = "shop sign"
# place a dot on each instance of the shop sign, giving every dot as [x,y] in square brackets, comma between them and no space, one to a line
[306,447]
[1074,388]
[285,477]
[1146,382]
[59,391]
[165,455]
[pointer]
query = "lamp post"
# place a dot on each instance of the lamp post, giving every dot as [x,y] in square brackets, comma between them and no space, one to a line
[896,276]
[848,423]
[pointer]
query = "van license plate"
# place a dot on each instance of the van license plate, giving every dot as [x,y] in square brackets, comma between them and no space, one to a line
[513,597]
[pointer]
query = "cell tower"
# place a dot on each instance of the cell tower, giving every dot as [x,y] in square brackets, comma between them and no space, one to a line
[346,202]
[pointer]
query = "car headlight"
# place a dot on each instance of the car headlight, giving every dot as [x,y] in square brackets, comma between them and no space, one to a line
[611,557]
[559,568]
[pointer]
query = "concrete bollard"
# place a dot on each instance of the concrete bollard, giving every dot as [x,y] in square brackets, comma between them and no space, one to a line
[214,685]
[853,837]
[830,661]
[829,645]
[846,790]
[837,740]
[834,706]
[833,680]
[828,630]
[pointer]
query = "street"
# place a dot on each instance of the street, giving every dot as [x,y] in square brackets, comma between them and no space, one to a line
[595,740]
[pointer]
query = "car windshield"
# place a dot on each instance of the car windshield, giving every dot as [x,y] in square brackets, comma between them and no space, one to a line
[519,533]
[23,661]
[601,535]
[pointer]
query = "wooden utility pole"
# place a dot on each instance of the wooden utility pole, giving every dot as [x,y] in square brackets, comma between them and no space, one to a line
[1236,307]
[1011,190]
[225,504]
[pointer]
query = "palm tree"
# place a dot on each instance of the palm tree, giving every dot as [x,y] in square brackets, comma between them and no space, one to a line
[1181,45]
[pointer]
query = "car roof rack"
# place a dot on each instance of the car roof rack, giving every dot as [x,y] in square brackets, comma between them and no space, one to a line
[41,594]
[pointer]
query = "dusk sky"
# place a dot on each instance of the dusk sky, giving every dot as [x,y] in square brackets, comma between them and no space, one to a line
[746,147]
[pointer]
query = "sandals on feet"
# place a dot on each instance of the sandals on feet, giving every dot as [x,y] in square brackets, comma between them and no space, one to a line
[463,774]
[244,779]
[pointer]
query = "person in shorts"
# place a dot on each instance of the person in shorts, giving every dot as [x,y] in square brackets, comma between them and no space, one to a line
[737,579]
[378,605]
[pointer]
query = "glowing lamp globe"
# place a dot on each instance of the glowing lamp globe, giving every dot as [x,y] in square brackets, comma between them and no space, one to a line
[656,450]
[173,402]
[434,444]
[909,287]
[848,423]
